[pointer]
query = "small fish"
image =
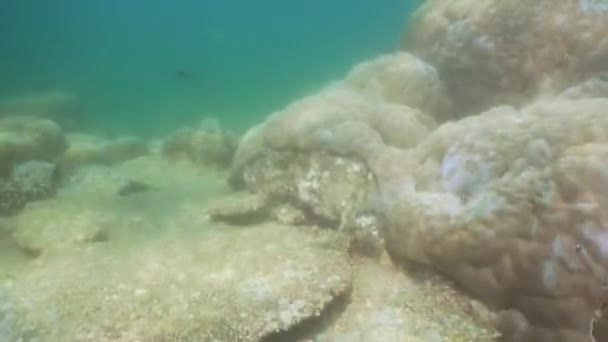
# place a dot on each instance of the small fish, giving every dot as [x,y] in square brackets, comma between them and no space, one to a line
[186,75]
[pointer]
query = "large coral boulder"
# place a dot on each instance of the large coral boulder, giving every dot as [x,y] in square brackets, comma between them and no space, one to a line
[508,203]
[505,52]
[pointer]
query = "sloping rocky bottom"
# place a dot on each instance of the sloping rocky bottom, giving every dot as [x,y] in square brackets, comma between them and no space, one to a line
[172,275]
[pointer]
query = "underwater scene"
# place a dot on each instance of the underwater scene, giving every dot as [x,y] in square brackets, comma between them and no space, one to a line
[317,171]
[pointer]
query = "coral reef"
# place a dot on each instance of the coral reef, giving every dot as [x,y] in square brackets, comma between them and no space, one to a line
[503,52]
[479,156]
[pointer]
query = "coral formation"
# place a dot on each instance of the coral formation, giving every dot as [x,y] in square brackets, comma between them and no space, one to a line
[481,200]
[402,78]
[504,52]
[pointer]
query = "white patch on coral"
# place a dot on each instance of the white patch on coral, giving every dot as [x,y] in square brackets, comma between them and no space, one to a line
[463,173]
[593,5]
[549,274]
[597,237]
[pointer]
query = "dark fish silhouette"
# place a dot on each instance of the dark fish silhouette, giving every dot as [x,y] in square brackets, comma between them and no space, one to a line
[186,75]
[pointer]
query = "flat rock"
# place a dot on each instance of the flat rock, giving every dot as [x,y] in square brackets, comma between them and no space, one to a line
[191,284]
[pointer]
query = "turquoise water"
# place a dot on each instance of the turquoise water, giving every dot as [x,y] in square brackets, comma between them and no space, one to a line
[242,59]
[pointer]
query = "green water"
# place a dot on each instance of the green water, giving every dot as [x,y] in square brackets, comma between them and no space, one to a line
[245,58]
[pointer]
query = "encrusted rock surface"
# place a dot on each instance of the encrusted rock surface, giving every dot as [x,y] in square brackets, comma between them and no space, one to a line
[327,188]
[186,283]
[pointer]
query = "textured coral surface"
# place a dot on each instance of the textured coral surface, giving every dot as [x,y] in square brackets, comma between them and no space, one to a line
[508,203]
[506,51]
